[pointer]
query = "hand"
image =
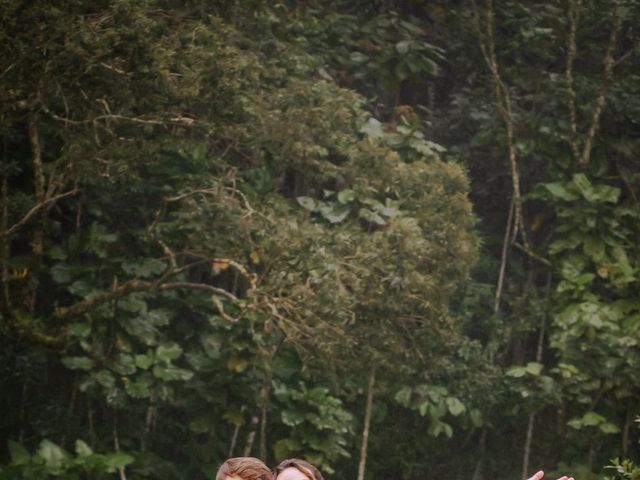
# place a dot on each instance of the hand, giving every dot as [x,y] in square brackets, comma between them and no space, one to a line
[540,474]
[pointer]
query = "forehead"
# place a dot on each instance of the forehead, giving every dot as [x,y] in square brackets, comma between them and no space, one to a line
[233,477]
[293,473]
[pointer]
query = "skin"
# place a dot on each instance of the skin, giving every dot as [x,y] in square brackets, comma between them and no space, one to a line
[293,474]
[540,474]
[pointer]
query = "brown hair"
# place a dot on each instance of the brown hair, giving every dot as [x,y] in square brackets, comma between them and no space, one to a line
[247,468]
[302,466]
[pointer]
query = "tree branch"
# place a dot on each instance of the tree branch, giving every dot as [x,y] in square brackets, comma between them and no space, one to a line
[503,259]
[134,286]
[179,119]
[163,245]
[503,104]
[367,424]
[200,286]
[38,173]
[533,255]
[624,57]
[27,327]
[608,62]
[34,211]
[573,12]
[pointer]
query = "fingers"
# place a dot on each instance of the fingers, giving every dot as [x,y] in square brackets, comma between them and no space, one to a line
[538,476]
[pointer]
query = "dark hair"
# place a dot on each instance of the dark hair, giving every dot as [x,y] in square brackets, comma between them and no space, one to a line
[247,468]
[301,465]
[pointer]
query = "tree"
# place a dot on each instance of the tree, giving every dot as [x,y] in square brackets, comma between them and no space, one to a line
[195,218]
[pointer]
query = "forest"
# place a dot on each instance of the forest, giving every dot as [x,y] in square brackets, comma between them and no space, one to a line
[398,239]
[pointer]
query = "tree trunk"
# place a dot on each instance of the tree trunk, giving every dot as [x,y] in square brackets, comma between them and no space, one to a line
[367,421]
[116,445]
[4,225]
[503,258]
[532,415]
[37,241]
[234,439]
[264,393]
[251,437]
[625,431]
[477,473]
[91,425]
[527,445]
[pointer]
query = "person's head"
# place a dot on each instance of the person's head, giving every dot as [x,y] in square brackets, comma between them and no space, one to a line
[244,468]
[296,469]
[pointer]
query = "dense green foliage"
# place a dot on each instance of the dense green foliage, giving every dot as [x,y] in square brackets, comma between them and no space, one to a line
[224,224]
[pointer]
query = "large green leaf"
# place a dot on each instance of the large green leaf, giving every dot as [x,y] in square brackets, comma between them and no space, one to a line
[19,454]
[169,373]
[115,461]
[168,351]
[78,363]
[558,190]
[455,406]
[52,454]
[82,449]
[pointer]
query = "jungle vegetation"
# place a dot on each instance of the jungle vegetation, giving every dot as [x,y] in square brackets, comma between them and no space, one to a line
[399,239]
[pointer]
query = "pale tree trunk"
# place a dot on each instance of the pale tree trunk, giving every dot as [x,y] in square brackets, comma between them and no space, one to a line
[37,241]
[367,422]
[503,104]
[477,473]
[234,439]
[503,260]
[116,445]
[149,422]
[251,437]
[264,393]
[532,415]
[527,445]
